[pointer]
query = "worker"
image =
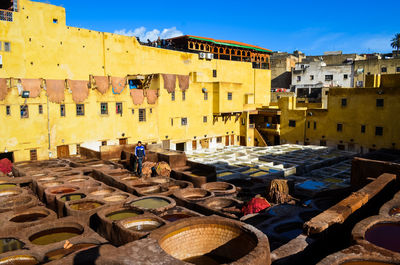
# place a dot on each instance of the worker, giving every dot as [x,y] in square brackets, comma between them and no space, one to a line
[140,155]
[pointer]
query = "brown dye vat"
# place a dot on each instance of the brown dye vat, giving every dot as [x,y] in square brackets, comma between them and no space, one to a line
[17,202]
[365,262]
[9,192]
[151,203]
[62,190]
[19,260]
[29,217]
[7,186]
[142,185]
[54,235]
[152,190]
[194,194]
[142,225]
[116,198]
[85,206]
[72,197]
[49,178]
[62,252]
[221,203]
[75,180]
[385,235]
[62,169]
[52,184]
[10,244]
[176,216]
[123,214]
[102,192]
[129,178]
[395,211]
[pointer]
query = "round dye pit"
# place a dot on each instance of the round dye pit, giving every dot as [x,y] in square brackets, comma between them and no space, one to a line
[123,214]
[142,225]
[395,211]
[72,197]
[116,198]
[102,192]
[55,235]
[10,244]
[62,252]
[207,243]
[176,216]
[62,190]
[385,235]
[19,260]
[219,188]
[220,203]
[9,192]
[52,184]
[150,203]
[129,178]
[152,190]
[75,180]
[30,216]
[50,178]
[194,194]
[85,205]
[7,186]
[13,202]
[142,185]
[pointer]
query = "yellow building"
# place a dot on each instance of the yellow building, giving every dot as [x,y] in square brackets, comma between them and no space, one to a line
[38,49]
[354,119]
[374,65]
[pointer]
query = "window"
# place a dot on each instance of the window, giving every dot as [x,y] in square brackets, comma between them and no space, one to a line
[315,125]
[33,154]
[173,96]
[142,114]
[0,45]
[183,95]
[292,123]
[62,110]
[298,78]
[362,128]
[104,108]
[344,102]
[103,143]
[183,121]
[133,111]
[341,147]
[219,139]
[360,83]
[78,149]
[308,125]
[24,111]
[118,108]
[40,109]
[398,69]
[204,119]
[322,142]
[172,121]
[80,109]
[379,102]
[55,20]
[229,95]
[311,77]
[214,73]
[345,76]
[384,69]
[7,46]
[339,127]
[328,77]
[379,131]
[205,95]
[151,110]
[8,110]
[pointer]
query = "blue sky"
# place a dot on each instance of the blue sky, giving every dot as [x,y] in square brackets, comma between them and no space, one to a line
[309,26]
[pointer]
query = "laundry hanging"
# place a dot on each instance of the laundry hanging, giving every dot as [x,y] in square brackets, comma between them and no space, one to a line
[118,84]
[152,95]
[55,90]
[33,86]
[3,88]
[137,96]
[102,83]
[80,90]
[169,82]
[183,82]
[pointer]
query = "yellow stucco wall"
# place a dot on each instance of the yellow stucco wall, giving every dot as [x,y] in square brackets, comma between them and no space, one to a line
[43,49]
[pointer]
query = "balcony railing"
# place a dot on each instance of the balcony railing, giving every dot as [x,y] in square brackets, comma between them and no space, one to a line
[6,15]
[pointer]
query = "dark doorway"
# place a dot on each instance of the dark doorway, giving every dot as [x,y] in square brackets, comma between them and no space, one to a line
[232,139]
[277,140]
[62,151]
[123,141]
[243,140]
[227,140]
[194,145]
[8,155]
[7,5]
[180,146]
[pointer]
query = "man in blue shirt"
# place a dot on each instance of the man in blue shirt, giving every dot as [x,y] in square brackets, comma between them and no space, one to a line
[140,154]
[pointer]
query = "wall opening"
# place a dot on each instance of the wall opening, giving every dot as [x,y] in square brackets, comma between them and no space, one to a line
[8,155]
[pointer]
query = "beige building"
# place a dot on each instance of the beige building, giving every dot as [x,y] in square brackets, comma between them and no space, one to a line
[374,65]
[282,64]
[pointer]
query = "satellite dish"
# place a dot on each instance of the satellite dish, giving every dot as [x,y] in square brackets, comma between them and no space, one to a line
[204,90]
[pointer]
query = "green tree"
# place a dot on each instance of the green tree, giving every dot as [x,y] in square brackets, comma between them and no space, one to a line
[396,42]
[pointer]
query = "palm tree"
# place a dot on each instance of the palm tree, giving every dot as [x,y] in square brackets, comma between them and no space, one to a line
[396,42]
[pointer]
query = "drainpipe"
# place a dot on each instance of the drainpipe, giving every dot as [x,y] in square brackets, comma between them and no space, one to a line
[48,119]
[305,128]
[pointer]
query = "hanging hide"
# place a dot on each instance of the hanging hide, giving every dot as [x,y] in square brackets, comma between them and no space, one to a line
[169,82]
[33,86]
[102,83]
[55,90]
[118,84]
[137,96]
[183,82]
[80,90]
[3,88]
[152,95]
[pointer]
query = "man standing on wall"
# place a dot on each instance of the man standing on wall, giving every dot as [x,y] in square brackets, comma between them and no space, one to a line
[140,154]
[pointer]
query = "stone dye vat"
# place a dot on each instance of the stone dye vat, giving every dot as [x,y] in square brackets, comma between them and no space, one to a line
[193,194]
[19,260]
[153,203]
[385,235]
[213,240]
[178,213]
[72,197]
[10,244]
[7,186]
[220,188]
[17,203]
[55,235]
[116,198]
[31,216]
[84,205]
[141,225]
[122,214]
[63,252]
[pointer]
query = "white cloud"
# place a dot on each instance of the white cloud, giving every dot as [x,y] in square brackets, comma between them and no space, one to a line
[152,35]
